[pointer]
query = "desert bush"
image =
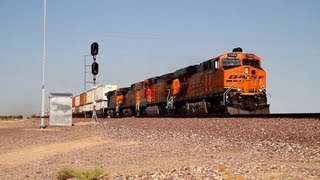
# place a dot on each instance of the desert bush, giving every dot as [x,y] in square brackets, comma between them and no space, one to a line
[83,174]
[11,117]
[65,173]
[228,173]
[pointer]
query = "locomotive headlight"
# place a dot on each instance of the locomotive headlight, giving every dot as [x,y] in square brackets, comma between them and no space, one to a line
[260,90]
[239,89]
[246,70]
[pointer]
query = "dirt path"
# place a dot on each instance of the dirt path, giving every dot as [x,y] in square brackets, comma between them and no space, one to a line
[35,152]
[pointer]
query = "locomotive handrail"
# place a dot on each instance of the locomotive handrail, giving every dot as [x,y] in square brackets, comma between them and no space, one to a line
[138,109]
[169,100]
[264,89]
[225,94]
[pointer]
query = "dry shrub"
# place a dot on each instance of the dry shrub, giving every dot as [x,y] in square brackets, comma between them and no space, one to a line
[82,174]
[228,173]
[11,117]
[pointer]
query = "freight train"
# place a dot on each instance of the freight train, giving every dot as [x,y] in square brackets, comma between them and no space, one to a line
[232,83]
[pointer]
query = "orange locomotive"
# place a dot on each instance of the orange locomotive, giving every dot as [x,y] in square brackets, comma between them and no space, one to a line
[232,83]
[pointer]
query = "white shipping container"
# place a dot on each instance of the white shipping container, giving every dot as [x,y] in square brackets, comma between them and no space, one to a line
[76,109]
[100,92]
[104,104]
[87,108]
[98,106]
[101,105]
[81,109]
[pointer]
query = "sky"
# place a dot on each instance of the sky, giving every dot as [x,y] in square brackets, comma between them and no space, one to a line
[143,38]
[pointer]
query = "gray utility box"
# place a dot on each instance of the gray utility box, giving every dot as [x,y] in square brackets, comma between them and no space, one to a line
[60,113]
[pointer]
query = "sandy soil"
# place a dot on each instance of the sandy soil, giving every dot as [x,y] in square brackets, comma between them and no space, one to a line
[164,148]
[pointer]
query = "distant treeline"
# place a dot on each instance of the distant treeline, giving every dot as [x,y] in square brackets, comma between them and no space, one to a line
[11,117]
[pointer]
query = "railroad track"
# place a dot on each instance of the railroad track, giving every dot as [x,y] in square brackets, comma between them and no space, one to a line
[274,115]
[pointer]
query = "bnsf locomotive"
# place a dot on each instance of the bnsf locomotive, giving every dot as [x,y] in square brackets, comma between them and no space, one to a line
[232,83]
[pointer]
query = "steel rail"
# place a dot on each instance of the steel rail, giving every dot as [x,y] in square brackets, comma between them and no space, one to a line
[274,115]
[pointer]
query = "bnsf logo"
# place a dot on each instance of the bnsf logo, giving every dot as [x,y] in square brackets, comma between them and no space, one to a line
[244,77]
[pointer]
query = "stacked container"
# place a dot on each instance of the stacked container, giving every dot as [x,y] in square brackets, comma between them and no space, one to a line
[83,103]
[102,90]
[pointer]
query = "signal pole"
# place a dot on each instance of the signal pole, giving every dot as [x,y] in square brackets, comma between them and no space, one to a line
[94,70]
[85,82]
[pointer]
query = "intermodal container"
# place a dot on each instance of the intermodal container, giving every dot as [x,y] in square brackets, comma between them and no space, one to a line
[83,98]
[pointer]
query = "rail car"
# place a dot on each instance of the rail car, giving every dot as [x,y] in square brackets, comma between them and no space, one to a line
[82,104]
[232,83]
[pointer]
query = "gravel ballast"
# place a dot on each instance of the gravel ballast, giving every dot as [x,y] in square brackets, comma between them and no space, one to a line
[164,148]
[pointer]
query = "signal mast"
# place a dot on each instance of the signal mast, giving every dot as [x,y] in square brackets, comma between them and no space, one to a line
[94,71]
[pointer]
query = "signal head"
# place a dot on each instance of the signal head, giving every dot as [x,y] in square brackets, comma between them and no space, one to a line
[94,49]
[95,68]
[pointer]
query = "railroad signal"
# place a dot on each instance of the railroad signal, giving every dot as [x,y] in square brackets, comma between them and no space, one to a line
[94,52]
[94,49]
[95,68]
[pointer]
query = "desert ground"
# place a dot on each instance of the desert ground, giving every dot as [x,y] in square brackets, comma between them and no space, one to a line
[164,148]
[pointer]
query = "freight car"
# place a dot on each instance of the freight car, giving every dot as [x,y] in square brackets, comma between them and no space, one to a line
[82,104]
[232,83]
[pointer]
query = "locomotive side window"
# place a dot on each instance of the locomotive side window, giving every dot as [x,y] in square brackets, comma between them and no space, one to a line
[212,65]
[138,86]
[251,62]
[230,63]
[207,65]
[200,68]
[215,65]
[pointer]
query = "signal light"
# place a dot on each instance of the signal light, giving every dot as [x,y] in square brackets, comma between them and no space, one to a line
[95,68]
[94,49]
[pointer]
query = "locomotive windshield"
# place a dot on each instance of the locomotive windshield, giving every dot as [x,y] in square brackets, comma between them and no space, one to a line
[251,62]
[230,63]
